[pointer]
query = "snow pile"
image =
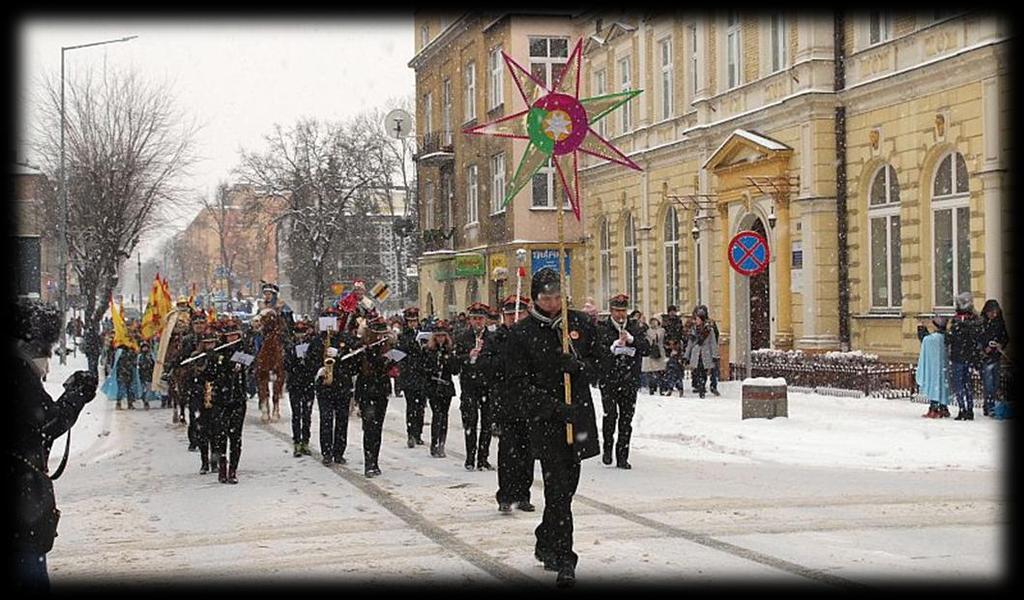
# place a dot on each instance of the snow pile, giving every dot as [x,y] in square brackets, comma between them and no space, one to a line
[93,425]
[827,431]
[764,381]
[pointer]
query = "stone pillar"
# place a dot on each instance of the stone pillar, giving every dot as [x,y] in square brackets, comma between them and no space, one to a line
[725,322]
[783,265]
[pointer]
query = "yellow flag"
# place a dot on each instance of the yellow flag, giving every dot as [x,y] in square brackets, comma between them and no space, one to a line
[152,320]
[121,337]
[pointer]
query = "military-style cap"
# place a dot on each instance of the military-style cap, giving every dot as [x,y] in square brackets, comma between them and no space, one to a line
[508,305]
[478,309]
[619,301]
[411,312]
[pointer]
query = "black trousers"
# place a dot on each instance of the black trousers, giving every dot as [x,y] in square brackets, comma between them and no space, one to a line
[439,406]
[203,420]
[699,376]
[619,406]
[372,409]
[476,408]
[561,477]
[301,400]
[415,404]
[333,404]
[515,462]
[194,400]
[228,421]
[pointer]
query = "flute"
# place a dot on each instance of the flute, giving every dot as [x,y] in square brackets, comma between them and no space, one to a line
[198,356]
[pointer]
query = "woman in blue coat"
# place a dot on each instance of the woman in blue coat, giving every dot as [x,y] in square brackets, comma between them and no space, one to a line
[932,370]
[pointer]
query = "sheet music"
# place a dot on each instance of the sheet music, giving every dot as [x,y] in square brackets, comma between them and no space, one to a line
[242,358]
[301,349]
[328,323]
[627,350]
[395,354]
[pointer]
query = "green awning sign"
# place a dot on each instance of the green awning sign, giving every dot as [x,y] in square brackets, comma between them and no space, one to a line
[470,265]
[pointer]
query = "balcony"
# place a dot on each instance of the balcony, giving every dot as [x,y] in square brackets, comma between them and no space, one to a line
[435,148]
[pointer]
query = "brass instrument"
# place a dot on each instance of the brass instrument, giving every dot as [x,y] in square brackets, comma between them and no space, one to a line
[208,395]
[328,362]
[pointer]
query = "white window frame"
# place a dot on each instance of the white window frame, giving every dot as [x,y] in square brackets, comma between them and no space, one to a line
[733,49]
[666,77]
[548,171]
[469,92]
[600,89]
[448,191]
[547,60]
[472,195]
[951,202]
[497,86]
[625,66]
[883,20]
[777,36]
[888,210]
[606,262]
[428,109]
[428,202]
[498,183]
[631,260]
[672,271]
[446,111]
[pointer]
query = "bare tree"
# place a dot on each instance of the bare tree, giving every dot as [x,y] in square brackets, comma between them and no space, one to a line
[222,219]
[323,167]
[127,145]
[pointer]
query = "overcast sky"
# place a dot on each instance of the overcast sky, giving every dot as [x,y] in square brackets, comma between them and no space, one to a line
[237,77]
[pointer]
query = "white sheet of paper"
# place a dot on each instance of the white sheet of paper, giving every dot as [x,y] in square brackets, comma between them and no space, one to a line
[395,354]
[627,350]
[301,349]
[243,358]
[328,323]
[423,336]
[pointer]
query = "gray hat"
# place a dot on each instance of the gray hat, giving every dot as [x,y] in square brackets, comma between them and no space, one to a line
[940,322]
[964,301]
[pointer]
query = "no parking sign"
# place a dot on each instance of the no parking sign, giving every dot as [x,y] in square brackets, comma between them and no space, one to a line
[748,253]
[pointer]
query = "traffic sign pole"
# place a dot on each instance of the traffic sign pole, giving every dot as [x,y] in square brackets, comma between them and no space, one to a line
[748,255]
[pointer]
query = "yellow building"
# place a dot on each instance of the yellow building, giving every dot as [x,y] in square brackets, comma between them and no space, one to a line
[879,185]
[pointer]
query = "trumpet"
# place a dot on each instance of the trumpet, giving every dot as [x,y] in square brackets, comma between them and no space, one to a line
[328,362]
[208,395]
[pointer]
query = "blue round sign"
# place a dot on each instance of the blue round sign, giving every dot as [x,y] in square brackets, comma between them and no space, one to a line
[748,253]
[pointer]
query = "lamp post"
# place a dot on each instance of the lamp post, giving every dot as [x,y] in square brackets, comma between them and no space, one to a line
[63,245]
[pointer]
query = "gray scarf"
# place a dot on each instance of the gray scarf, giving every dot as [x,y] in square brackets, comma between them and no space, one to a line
[555,323]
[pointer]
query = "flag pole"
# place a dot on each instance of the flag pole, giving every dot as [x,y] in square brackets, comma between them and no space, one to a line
[565,314]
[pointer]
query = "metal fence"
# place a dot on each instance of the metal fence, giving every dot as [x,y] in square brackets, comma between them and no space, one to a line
[870,378]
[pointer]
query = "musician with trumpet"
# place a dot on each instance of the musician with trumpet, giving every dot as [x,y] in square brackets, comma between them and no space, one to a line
[474,402]
[333,384]
[302,368]
[373,386]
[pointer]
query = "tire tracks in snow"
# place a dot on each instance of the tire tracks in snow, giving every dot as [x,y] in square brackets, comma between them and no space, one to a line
[422,525]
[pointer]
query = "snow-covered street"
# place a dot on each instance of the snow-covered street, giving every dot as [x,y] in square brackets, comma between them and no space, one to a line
[845,492]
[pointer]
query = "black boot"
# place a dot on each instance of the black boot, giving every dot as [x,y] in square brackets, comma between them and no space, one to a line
[232,477]
[411,442]
[606,458]
[566,576]
[222,470]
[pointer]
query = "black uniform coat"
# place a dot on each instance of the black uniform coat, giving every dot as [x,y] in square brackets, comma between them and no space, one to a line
[439,366]
[344,371]
[535,378]
[621,371]
[473,375]
[301,370]
[37,421]
[411,375]
[492,362]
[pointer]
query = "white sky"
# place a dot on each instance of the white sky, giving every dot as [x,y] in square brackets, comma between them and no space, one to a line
[236,76]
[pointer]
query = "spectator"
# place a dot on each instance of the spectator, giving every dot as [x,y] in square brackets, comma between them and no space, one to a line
[702,340]
[146,362]
[932,369]
[673,325]
[992,338]
[715,357]
[653,365]
[964,354]
[674,374]
[38,420]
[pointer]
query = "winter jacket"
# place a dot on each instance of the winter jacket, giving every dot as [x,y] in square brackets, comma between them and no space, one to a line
[620,371]
[439,365]
[702,345]
[473,375]
[345,370]
[146,363]
[992,330]
[535,376]
[37,421]
[492,359]
[372,380]
[655,338]
[227,377]
[673,328]
[963,339]
[411,375]
[932,377]
[300,370]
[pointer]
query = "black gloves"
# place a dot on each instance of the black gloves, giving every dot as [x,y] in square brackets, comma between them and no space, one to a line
[81,385]
[570,364]
[567,412]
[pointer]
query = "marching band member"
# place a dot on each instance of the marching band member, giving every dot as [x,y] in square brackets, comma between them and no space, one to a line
[440,362]
[474,403]
[301,391]
[373,386]
[333,384]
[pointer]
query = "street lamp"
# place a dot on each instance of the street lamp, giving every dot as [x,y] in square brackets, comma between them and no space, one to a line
[63,245]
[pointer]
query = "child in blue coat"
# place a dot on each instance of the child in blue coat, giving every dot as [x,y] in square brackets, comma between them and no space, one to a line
[932,369]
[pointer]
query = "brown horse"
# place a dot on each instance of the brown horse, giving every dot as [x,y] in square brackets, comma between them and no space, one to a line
[270,360]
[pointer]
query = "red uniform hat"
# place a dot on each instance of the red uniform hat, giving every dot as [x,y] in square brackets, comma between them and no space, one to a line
[411,312]
[442,326]
[508,305]
[378,324]
[619,301]
[478,309]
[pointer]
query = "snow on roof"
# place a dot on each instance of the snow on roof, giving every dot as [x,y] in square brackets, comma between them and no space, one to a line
[756,138]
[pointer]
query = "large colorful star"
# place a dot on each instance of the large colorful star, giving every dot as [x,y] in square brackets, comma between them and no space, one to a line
[558,126]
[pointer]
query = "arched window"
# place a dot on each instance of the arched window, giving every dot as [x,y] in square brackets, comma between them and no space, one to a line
[671,257]
[606,263]
[884,229]
[951,229]
[631,259]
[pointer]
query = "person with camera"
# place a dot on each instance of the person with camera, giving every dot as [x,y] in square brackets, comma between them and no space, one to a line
[37,421]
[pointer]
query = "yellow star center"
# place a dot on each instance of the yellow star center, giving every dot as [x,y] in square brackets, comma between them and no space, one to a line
[557,125]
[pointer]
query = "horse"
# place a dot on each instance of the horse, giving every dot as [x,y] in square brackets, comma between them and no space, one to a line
[270,361]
